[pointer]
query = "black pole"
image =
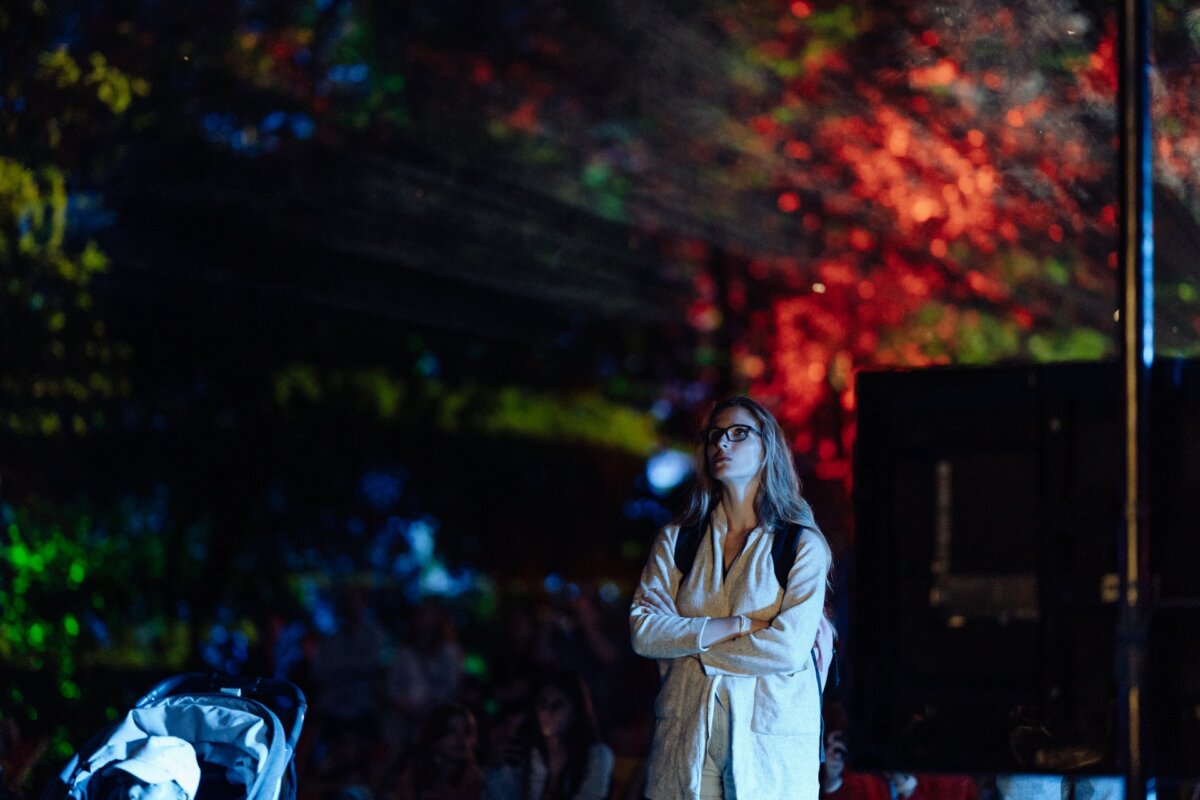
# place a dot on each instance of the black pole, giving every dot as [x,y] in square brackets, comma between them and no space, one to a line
[1136,317]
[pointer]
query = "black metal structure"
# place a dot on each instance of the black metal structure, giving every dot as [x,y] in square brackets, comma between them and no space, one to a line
[1137,358]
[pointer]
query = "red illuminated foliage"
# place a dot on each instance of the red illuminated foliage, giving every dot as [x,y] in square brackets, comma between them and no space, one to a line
[849,185]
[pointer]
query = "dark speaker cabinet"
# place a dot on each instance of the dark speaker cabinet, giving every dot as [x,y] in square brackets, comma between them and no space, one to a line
[987,511]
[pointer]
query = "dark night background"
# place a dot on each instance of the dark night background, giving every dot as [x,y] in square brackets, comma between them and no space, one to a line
[423,301]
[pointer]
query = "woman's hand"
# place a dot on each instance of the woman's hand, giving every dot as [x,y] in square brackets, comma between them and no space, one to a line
[659,602]
[722,629]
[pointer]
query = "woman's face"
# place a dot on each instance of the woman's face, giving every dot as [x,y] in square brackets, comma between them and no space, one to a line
[554,712]
[458,740]
[729,461]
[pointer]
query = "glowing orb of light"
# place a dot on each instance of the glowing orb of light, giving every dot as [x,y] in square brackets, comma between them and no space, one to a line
[666,469]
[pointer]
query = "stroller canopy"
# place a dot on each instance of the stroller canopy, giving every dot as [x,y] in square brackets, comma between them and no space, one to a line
[241,746]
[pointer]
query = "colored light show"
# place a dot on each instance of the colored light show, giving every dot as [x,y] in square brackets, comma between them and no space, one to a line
[370,339]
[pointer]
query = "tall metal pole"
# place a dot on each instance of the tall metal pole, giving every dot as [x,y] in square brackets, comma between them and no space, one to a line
[1137,356]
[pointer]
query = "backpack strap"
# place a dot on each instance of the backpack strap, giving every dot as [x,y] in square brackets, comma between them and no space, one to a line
[820,699]
[686,545]
[837,680]
[783,550]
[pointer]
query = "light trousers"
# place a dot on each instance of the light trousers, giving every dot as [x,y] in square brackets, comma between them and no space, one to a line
[716,779]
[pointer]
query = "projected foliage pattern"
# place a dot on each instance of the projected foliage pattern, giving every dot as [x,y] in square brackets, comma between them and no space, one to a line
[843,185]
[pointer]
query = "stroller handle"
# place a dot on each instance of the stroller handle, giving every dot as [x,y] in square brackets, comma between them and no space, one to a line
[284,698]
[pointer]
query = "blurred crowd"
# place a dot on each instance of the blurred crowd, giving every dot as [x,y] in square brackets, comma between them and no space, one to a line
[556,707]
[403,717]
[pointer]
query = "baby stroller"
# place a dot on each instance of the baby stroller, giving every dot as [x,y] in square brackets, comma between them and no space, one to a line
[208,736]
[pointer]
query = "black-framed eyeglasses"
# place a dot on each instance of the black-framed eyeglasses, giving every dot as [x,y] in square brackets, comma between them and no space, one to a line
[736,433]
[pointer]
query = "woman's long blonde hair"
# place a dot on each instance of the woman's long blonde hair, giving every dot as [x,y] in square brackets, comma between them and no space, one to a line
[778,499]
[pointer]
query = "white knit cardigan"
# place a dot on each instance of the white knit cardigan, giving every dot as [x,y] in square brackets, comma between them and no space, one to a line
[773,693]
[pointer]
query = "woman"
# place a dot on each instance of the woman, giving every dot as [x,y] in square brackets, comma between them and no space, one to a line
[739,708]
[443,764]
[424,671]
[565,759]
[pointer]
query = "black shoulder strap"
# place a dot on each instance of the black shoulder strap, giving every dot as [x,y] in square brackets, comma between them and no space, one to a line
[783,550]
[837,680]
[686,545]
[820,694]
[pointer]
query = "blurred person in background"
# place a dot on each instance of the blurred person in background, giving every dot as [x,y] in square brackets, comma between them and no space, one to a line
[349,665]
[425,671]
[562,757]
[18,755]
[840,783]
[571,635]
[348,672]
[443,764]
[504,740]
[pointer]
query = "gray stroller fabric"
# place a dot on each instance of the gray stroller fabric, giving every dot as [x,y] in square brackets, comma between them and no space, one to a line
[239,743]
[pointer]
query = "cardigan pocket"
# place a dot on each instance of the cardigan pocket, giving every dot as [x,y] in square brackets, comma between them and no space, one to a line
[781,705]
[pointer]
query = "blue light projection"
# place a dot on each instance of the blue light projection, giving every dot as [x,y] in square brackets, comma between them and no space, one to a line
[86,214]
[248,138]
[226,648]
[1147,284]
[647,509]
[382,489]
[610,592]
[273,122]
[289,648]
[303,126]
[666,469]
[348,73]
[404,551]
